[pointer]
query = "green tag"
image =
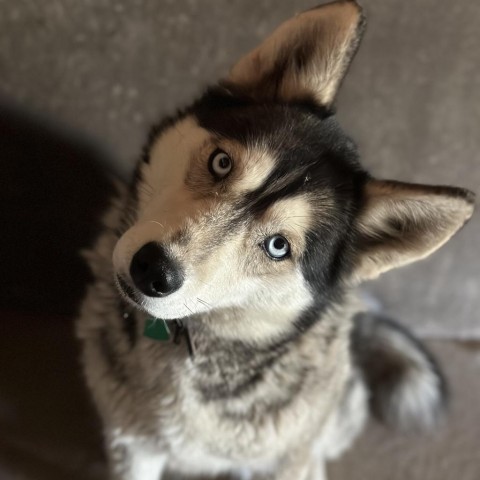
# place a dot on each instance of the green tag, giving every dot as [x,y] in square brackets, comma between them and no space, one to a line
[157,329]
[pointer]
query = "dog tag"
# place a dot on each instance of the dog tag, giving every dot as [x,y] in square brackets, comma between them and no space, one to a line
[157,329]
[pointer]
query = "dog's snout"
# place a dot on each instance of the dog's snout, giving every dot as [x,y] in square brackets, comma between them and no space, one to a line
[154,273]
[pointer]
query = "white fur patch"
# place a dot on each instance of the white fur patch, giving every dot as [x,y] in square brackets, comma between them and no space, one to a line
[256,164]
[292,216]
[135,459]
[170,157]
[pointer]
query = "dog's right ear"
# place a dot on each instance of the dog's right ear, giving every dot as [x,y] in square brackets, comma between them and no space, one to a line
[401,223]
[304,59]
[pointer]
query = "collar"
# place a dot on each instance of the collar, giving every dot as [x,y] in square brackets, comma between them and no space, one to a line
[155,328]
[166,330]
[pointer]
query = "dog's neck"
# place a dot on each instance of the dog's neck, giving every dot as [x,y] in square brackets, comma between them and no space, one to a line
[248,325]
[263,328]
[235,351]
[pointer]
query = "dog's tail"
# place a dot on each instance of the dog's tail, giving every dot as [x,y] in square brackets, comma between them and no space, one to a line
[407,388]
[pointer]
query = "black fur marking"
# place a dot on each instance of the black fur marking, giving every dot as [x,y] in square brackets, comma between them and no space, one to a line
[181,237]
[130,329]
[306,142]
[260,406]
[129,323]
[247,118]
[258,201]
[310,316]
[111,356]
[229,369]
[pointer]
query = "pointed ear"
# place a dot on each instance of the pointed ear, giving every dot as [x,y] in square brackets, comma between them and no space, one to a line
[305,58]
[401,223]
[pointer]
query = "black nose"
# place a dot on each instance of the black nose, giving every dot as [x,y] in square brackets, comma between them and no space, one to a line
[154,273]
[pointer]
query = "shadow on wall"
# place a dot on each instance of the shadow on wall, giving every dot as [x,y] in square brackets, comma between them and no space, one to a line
[54,188]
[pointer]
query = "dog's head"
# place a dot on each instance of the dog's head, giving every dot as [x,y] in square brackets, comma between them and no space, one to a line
[253,197]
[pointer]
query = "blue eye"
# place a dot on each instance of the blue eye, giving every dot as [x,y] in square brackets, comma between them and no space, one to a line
[220,164]
[277,247]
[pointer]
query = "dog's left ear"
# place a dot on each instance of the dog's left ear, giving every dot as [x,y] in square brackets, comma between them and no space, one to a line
[304,59]
[402,222]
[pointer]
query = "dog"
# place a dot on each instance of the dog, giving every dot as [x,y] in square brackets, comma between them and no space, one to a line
[223,334]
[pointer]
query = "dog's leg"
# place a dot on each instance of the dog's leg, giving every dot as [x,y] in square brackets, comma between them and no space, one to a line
[313,470]
[301,466]
[318,471]
[132,460]
[308,471]
[244,474]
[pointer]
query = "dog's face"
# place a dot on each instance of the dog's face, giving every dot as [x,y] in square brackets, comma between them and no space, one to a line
[235,204]
[254,198]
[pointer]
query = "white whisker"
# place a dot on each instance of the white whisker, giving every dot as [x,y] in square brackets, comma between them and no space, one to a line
[158,223]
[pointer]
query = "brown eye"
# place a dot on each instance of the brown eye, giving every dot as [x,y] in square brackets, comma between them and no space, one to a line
[220,164]
[277,247]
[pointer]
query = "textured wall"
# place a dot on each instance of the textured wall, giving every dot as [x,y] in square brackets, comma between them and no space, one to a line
[412,100]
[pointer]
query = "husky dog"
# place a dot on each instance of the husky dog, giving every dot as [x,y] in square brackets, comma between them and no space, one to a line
[246,229]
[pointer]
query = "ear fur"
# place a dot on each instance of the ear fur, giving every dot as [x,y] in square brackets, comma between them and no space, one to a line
[401,223]
[305,58]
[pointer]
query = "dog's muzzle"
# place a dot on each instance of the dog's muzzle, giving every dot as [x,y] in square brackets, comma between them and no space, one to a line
[154,272]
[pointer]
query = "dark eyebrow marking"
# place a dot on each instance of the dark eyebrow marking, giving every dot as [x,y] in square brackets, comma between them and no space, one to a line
[282,182]
[266,195]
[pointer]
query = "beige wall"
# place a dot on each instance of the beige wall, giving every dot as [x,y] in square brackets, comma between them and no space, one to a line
[411,101]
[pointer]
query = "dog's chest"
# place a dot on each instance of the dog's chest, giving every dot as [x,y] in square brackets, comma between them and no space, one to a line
[226,410]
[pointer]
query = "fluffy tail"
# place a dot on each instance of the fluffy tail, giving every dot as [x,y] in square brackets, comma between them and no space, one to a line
[407,388]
